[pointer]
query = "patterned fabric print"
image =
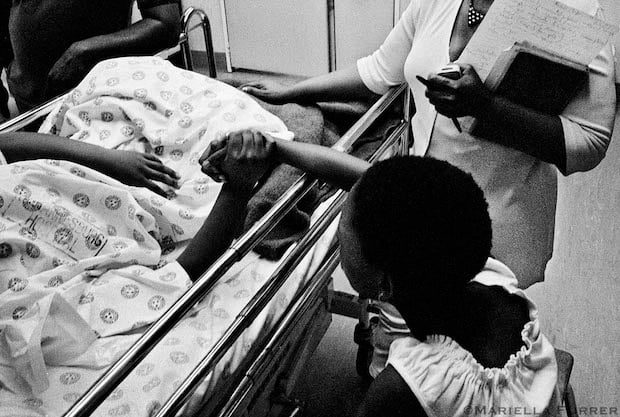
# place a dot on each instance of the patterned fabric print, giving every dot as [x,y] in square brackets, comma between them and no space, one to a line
[54,285]
[148,105]
[164,368]
[66,233]
[60,219]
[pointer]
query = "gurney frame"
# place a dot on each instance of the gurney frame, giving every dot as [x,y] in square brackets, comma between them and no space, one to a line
[263,385]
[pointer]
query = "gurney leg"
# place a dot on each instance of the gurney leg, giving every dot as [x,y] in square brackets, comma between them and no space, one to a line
[363,337]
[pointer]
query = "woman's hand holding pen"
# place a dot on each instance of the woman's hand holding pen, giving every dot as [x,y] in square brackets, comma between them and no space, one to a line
[465,96]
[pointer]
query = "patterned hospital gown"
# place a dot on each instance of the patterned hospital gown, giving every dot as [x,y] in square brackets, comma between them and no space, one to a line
[86,263]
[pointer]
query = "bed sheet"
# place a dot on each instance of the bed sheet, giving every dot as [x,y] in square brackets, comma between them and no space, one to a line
[141,393]
[87,263]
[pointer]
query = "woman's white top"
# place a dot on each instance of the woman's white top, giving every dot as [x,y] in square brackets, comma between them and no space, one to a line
[448,381]
[520,189]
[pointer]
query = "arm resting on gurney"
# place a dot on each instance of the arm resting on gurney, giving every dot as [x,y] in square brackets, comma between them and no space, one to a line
[337,168]
[159,27]
[131,168]
[342,85]
[334,167]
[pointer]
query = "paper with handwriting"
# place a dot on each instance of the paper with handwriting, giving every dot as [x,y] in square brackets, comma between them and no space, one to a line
[558,28]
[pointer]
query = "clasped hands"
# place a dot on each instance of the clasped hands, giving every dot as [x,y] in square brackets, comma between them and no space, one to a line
[465,96]
[240,159]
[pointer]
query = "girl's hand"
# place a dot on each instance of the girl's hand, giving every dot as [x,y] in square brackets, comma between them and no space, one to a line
[139,169]
[268,91]
[466,96]
[241,159]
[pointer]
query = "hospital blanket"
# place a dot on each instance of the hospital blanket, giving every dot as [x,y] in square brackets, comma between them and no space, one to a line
[75,295]
[148,105]
[86,263]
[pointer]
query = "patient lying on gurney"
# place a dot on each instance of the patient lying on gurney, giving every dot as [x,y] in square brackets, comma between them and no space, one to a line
[415,231]
[80,277]
[88,248]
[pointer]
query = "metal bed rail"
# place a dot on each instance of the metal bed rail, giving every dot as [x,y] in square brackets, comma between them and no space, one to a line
[249,313]
[187,16]
[302,302]
[126,363]
[300,306]
[183,43]
[24,119]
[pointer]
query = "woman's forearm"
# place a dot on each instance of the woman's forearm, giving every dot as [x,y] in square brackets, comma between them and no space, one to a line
[524,129]
[343,85]
[337,168]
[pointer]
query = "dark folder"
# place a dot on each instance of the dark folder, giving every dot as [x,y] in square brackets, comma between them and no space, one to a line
[536,79]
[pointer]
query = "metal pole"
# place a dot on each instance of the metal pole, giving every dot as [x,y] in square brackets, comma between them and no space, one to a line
[225,32]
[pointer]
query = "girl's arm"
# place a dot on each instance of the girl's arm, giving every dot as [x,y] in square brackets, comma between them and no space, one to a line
[337,168]
[131,168]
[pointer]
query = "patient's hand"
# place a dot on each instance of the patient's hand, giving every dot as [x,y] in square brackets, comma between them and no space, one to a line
[268,91]
[241,159]
[138,169]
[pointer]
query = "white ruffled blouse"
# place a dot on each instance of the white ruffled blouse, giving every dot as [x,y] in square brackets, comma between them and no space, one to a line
[448,381]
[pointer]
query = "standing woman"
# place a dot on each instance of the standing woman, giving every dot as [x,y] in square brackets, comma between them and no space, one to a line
[515,165]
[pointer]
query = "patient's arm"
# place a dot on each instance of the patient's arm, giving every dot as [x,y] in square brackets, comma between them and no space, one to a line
[221,227]
[243,161]
[342,85]
[131,168]
[158,29]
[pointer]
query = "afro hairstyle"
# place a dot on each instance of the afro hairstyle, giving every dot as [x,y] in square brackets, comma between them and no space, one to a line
[424,218]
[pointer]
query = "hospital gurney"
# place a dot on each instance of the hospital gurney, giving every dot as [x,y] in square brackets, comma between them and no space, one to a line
[300,326]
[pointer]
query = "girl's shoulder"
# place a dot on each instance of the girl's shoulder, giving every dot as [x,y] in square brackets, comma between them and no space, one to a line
[491,325]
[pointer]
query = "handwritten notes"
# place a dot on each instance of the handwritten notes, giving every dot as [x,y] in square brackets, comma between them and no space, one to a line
[549,24]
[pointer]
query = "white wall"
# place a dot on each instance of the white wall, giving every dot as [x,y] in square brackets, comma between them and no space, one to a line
[351,43]
[611,8]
